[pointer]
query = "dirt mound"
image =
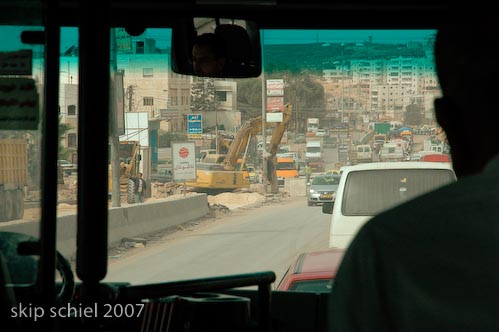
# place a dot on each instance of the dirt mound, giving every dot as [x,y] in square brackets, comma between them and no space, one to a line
[235,200]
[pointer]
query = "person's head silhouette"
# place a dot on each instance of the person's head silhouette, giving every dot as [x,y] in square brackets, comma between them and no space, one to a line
[467,67]
[208,55]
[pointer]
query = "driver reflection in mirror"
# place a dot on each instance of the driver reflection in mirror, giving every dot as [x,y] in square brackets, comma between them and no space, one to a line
[208,55]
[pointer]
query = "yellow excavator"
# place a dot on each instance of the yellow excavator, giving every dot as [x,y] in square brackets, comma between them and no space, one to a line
[129,167]
[229,174]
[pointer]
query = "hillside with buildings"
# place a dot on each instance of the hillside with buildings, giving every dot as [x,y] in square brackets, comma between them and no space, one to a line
[322,56]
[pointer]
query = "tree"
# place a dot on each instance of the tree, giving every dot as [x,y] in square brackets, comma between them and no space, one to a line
[301,90]
[203,95]
[165,138]
[414,115]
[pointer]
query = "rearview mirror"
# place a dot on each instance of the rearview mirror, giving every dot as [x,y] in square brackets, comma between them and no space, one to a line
[216,47]
[327,208]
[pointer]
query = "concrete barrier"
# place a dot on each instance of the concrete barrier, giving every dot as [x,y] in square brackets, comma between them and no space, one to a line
[129,221]
[296,187]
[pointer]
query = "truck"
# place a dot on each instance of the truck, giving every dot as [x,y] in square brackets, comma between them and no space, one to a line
[312,125]
[435,146]
[286,168]
[13,178]
[314,156]
[343,154]
[391,152]
[313,149]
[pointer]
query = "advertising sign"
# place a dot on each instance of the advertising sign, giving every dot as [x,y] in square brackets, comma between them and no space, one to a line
[184,161]
[274,117]
[19,104]
[275,87]
[275,100]
[194,126]
[275,104]
[16,63]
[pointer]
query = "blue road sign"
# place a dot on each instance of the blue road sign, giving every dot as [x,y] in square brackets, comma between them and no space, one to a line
[194,123]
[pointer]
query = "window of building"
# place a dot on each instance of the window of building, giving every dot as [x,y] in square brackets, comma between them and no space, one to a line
[221,95]
[71,140]
[72,110]
[148,101]
[148,72]
[139,47]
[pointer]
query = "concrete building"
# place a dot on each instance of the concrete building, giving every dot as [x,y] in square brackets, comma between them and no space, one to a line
[385,86]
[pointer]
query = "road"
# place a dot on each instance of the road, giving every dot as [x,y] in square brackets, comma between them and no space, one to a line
[330,157]
[248,240]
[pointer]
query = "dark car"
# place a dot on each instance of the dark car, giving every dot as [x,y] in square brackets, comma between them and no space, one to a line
[312,271]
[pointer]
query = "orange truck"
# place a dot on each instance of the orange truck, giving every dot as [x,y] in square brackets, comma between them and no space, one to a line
[286,168]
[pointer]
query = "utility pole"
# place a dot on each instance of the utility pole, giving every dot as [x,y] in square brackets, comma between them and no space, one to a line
[264,121]
[129,94]
[113,129]
[217,142]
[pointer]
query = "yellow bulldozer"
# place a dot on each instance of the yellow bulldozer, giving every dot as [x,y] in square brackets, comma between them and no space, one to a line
[229,175]
[129,153]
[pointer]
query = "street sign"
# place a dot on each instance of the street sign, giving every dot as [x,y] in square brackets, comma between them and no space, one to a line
[194,126]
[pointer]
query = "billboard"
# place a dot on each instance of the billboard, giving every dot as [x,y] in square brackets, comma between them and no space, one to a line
[184,161]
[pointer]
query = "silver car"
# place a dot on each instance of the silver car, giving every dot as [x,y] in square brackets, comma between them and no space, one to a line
[323,188]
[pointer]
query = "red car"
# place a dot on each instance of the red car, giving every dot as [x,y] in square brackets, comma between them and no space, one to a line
[312,271]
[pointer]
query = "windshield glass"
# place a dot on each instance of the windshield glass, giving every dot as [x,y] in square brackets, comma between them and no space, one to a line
[326,180]
[314,149]
[209,220]
[282,165]
[370,192]
[341,79]
[319,286]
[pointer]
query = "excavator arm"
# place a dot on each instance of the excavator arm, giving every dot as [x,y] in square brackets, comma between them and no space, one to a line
[209,180]
[277,134]
[240,142]
[279,130]
[253,127]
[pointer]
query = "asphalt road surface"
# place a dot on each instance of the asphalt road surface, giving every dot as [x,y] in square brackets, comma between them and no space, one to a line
[265,238]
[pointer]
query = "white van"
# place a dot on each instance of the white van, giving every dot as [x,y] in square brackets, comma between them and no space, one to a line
[368,189]
[364,153]
[313,150]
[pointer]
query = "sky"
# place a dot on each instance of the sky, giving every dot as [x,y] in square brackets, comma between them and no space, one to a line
[69,36]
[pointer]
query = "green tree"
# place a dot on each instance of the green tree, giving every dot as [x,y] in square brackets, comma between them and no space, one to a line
[249,97]
[302,90]
[414,115]
[203,95]
[165,138]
